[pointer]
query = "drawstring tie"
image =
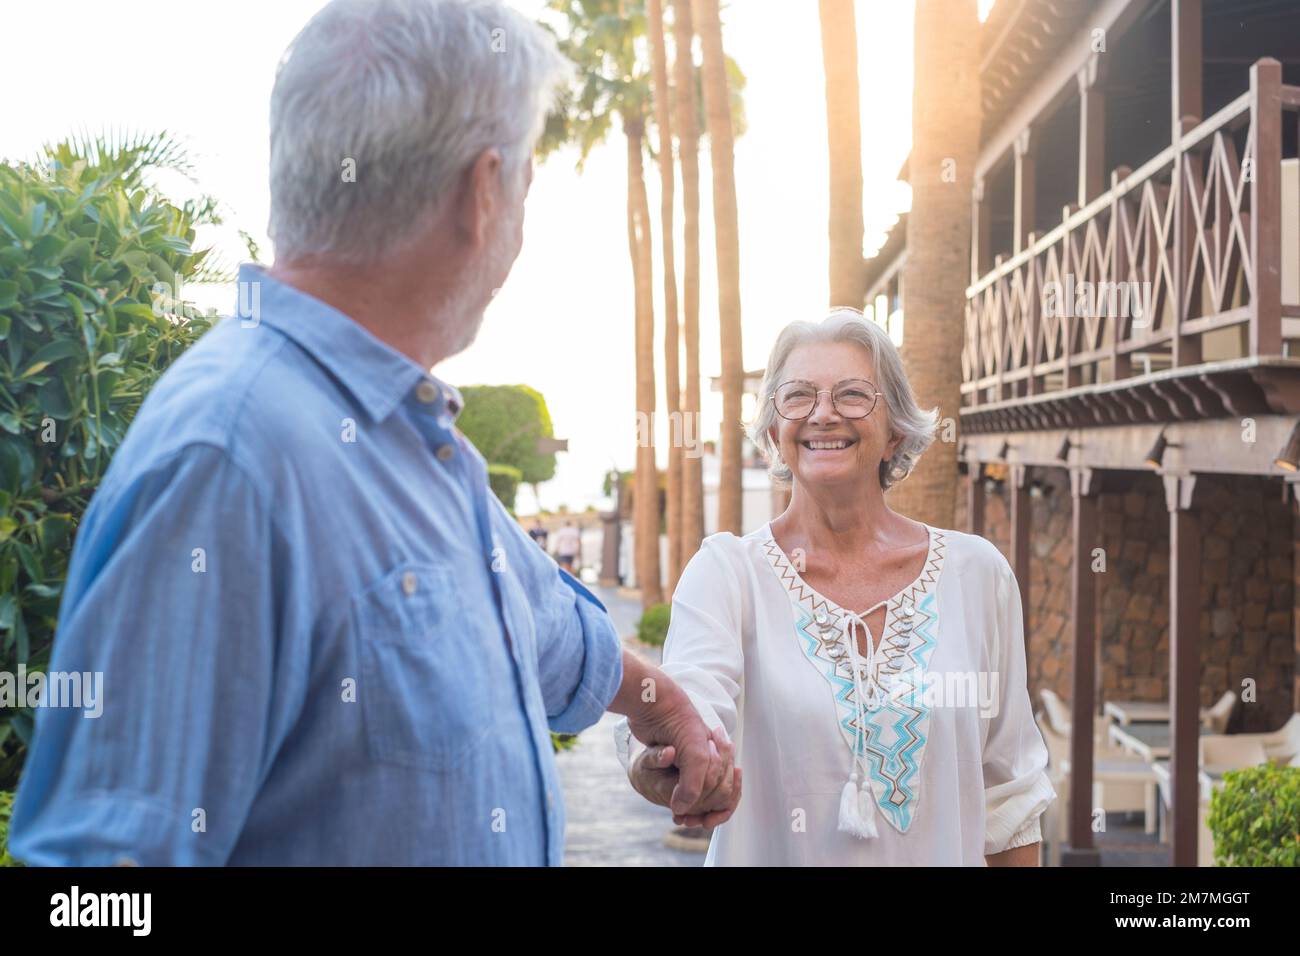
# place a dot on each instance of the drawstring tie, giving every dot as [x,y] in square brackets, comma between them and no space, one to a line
[857,803]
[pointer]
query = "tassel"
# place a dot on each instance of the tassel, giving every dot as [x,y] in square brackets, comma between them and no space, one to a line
[856,812]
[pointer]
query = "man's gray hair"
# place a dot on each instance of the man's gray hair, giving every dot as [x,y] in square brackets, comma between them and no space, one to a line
[380,104]
[906,418]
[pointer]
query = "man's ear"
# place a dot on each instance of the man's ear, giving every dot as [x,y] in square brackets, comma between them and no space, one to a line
[480,195]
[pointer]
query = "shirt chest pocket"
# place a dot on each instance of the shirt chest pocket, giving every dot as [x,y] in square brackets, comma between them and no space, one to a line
[424,691]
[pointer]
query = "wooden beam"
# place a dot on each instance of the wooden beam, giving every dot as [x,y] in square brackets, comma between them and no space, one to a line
[1021,528]
[1084,485]
[1184,664]
[975,497]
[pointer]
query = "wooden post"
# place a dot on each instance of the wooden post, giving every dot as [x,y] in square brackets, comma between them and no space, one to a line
[1025,189]
[975,497]
[1021,526]
[1092,130]
[1184,664]
[1185,84]
[1084,486]
[981,232]
[1185,64]
[1266,207]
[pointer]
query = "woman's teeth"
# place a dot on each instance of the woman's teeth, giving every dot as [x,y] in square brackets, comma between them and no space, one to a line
[818,445]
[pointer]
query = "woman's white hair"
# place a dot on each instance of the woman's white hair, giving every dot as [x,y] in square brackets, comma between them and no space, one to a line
[906,418]
[379,105]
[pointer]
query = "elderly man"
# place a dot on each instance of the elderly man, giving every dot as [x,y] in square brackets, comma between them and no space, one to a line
[323,640]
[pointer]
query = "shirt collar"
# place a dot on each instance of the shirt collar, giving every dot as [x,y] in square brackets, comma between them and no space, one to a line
[378,376]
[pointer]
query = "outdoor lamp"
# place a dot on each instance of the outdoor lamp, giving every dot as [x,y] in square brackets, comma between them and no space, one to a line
[1289,458]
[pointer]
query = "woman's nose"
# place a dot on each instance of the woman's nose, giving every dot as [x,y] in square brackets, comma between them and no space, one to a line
[824,408]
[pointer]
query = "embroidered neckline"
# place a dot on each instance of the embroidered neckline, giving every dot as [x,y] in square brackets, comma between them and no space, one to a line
[893,740]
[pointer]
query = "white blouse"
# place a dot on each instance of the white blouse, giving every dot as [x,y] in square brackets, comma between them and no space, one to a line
[950,762]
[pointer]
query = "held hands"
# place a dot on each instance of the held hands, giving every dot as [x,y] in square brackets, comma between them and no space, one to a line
[654,775]
[687,768]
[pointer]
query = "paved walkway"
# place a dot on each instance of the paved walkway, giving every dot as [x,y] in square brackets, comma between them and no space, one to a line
[609,823]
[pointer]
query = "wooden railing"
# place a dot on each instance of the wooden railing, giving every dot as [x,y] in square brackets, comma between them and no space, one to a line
[1197,228]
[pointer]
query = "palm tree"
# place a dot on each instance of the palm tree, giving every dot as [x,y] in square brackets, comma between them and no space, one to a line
[688,146]
[600,36]
[672,338]
[844,141]
[717,107]
[945,137]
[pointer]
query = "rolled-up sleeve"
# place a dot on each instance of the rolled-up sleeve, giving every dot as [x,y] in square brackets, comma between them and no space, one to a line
[170,605]
[579,654]
[1016,785]
[702,653]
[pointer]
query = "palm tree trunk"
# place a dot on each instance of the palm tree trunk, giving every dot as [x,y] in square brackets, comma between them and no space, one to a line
[844,141]
[945,138]
[672,337]
[717,111]
[646,495]
[688,155]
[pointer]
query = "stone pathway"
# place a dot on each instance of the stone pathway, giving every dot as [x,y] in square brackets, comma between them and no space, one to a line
[609,823]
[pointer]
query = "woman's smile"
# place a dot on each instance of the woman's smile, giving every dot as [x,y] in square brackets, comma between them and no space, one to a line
[829,444]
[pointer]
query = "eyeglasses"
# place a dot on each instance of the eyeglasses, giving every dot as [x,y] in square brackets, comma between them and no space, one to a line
[851,398]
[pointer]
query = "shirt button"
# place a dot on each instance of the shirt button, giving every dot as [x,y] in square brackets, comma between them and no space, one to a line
[427,392]
[408,583]
[445,452]
[821,617]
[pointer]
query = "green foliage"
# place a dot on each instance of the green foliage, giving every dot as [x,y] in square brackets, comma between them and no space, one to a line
[504,482]
[6,810]
[504,422]
[91,263]
[562,742]
[1255,817]
[653,626]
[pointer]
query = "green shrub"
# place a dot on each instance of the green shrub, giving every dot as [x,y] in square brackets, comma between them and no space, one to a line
[86,252]
[1255,817]
[653,626]
[6,809]
[504,481]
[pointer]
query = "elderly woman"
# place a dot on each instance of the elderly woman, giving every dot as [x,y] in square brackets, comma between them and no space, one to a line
[868,669]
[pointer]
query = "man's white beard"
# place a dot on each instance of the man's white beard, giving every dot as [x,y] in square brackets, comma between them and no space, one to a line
[462,312]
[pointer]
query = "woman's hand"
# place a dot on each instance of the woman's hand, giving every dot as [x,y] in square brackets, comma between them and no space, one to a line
[654,776]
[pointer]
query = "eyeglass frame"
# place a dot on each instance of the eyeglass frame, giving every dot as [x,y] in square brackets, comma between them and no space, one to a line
[817,396]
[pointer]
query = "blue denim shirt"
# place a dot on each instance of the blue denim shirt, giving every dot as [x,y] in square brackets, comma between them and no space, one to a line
[322,638]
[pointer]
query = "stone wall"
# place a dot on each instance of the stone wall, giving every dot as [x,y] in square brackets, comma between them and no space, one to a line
[1248,591]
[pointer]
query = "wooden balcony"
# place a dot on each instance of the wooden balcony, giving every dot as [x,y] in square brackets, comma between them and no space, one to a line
[1205,236]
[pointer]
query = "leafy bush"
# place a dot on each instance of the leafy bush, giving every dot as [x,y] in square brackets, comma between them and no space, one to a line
[653,626]
[1255,817]
[86,250]
[504,481]
[505,422]
[6,810]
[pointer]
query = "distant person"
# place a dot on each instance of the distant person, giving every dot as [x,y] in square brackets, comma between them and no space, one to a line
[343,652]
[538,533]
[568,546]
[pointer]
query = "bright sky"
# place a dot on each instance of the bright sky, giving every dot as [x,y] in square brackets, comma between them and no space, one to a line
[563,322]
